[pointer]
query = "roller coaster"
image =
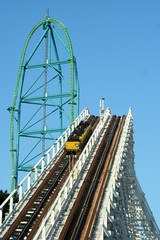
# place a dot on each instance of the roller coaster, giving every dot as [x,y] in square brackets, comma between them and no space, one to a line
[84,185]
[82,196]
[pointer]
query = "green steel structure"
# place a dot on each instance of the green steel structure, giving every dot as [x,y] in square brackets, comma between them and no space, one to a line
[47,91]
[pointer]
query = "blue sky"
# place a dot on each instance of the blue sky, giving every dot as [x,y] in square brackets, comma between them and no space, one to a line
[117,47]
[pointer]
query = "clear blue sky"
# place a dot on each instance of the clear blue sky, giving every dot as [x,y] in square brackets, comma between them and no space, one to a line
[117,47]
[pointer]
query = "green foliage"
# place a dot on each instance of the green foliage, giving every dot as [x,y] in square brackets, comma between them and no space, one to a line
[3,196]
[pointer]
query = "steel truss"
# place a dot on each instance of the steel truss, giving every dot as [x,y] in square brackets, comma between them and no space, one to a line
[47,90]
[125,213]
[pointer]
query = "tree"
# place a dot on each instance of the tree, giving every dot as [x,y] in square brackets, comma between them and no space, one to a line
[3,196]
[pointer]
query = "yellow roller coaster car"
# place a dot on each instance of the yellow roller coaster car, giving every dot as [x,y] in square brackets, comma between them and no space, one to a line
[76,142]
[80,135]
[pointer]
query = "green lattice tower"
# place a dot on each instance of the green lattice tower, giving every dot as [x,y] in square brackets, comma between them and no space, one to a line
[46,94]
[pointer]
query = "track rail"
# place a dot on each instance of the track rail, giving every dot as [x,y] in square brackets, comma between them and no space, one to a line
[26,218]
[80,221]
[96,201]
[30,218]
[29,183]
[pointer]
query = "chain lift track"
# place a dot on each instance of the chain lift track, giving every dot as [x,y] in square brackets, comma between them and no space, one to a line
[31,182]
[30,218]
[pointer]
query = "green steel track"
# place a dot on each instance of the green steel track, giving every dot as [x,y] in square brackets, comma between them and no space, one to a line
[16,107]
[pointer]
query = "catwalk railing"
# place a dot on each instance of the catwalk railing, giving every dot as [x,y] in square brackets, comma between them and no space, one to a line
[31,178]
[101,225]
